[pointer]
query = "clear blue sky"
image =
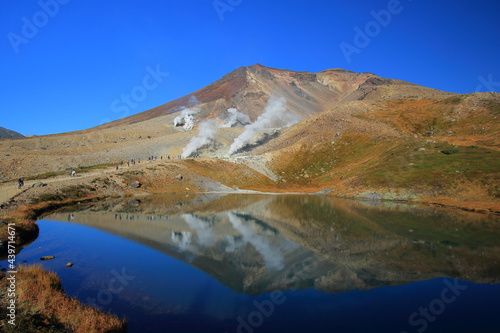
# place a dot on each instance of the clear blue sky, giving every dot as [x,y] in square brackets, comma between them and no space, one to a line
[66,67]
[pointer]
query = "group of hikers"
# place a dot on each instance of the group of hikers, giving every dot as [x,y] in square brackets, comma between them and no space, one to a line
[20,181]
[153,158]
[133,161]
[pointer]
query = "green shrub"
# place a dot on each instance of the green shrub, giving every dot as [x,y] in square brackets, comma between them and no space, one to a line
[452,100]
[450,151]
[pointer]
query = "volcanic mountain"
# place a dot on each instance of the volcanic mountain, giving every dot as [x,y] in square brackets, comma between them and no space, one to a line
[249,88]
[335,131]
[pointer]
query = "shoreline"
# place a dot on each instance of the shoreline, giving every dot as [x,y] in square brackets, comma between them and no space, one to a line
[41,196]
[26,216]
[202,175]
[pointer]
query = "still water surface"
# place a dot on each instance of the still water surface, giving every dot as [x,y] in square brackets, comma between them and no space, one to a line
[269,263]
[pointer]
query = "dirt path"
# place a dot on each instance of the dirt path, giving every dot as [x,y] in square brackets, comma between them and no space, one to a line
[9,190]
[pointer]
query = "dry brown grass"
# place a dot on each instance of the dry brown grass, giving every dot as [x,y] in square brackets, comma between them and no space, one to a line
[29,226]
[468,191]
[26,231]
[465,118]
[40,295]
[24,218]
[414,116]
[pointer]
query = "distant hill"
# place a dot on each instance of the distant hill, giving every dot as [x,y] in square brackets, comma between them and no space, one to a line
[8,134]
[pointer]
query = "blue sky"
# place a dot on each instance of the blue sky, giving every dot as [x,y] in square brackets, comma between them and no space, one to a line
[67,64]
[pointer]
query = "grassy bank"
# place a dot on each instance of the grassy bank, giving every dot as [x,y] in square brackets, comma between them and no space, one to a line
[42,306]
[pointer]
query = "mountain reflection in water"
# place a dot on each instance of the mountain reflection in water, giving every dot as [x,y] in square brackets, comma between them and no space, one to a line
[259,243]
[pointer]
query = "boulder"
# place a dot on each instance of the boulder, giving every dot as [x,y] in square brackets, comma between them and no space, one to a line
[135,184]
[47,258]
[372,196]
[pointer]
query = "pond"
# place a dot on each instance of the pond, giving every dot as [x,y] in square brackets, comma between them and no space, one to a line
[277,263]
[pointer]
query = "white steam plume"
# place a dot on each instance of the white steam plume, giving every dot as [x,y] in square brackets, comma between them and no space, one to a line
[193,101]
[236,118]
[274,115]
[186,118]
[178,121]
[189,122]
[206,135]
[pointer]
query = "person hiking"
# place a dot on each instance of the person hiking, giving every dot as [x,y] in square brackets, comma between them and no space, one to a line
[20,182]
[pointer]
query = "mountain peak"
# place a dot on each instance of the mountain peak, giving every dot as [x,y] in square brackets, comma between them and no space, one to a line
[248,89]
